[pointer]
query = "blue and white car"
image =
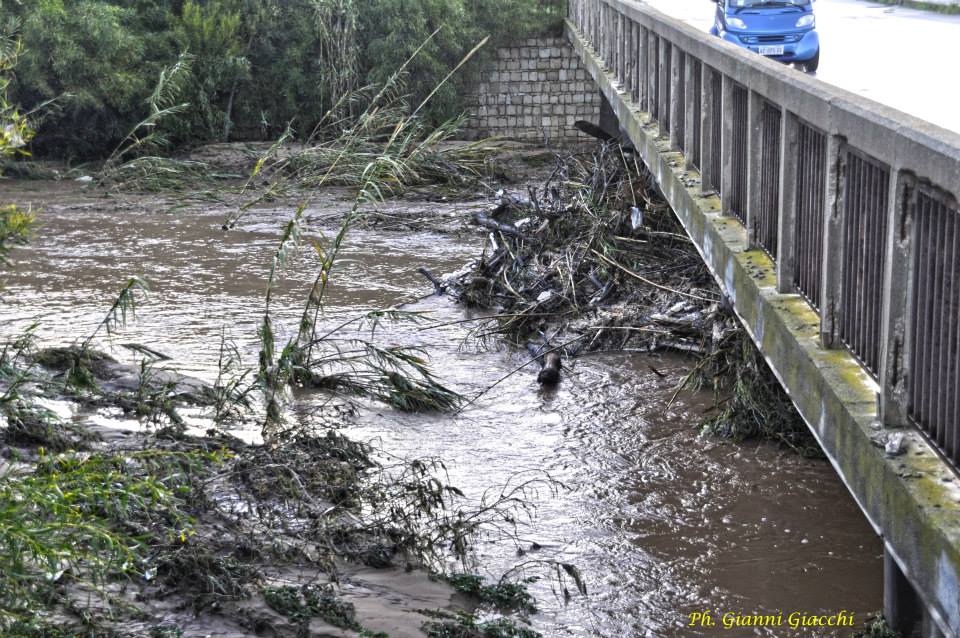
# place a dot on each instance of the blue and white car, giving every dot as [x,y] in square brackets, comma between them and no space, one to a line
[784,30]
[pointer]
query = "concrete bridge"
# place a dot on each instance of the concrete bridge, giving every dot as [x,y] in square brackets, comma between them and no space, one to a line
[832,224]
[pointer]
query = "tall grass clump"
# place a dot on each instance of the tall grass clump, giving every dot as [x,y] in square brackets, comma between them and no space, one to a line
[385,149]
[136,161]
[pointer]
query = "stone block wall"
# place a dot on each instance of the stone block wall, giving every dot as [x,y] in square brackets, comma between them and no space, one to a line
[533,91]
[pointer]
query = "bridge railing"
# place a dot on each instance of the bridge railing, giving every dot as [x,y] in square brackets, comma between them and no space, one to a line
[856,203]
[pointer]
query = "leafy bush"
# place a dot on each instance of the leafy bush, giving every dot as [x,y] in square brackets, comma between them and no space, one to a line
[94,52]
[501,595]
[258,64]
[89,516]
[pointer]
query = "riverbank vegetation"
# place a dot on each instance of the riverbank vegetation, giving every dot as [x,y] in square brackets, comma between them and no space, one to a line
[15,135]
[257,67]
[140,535]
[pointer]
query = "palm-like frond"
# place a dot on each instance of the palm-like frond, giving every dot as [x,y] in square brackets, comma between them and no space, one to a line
[146,135]
[123,305]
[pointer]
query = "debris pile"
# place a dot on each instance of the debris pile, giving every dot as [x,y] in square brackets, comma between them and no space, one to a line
[594,260]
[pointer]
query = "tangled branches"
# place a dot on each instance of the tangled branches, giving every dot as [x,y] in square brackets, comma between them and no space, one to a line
[594,260]
[596,257]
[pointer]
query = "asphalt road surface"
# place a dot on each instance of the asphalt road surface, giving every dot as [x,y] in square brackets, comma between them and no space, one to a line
[904,58]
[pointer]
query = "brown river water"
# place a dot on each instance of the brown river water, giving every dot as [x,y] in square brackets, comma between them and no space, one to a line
[661,521]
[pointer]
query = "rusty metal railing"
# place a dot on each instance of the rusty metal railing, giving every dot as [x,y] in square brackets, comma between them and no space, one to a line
[737,154]
[866,184]
[822,183]
[767,218]
[935,347]
[716,130]
[810,202]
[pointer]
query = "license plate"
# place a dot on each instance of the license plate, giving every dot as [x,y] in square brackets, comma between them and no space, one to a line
[771,50]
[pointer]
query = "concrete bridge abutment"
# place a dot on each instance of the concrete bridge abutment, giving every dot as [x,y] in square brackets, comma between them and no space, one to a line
[533,90]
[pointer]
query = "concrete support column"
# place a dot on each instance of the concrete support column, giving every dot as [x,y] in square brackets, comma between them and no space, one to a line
[787,213]
[689,110]
[832,245]
[708,181]
[901,605]
[609,123]
[676,105]
[898,284]
[755,143]
[726,146]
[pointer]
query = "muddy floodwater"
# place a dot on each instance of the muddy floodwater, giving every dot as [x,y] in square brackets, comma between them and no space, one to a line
[661,521]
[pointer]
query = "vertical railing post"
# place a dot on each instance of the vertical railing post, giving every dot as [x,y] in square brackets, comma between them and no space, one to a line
[787,212]
[755,143]
[689,112]
[597,18]
[604,28]
[898,283]
[664,74]
[676,105]
[636,56]
[630,60]
[614,26]
[707,179]
[614,22]
[645,69]
[726,146]
[621,49]
[611,37]
[595,27]
[653,72]
[588,21]
[617,24]
[593,11]
[832,245]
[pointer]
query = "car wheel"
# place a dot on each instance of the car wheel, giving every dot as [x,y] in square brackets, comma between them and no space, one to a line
[811,65]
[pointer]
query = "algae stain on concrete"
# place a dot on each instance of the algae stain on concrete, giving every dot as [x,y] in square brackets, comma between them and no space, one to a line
[729,279]
[760,324]
[948,585]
